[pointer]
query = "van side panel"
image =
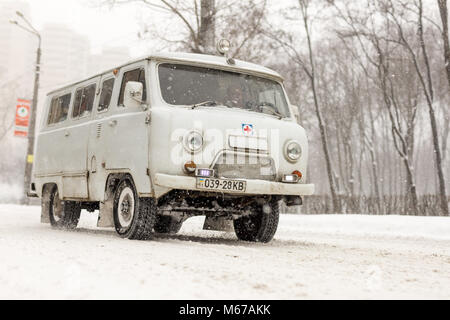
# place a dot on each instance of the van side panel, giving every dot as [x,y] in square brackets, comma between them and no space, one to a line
[61,151]
[51,151]
[118,142]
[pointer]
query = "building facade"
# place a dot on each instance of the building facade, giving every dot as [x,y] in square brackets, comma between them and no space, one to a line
[17,48]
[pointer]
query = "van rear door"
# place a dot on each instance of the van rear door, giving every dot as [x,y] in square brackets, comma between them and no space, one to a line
[98,137]
[76,139]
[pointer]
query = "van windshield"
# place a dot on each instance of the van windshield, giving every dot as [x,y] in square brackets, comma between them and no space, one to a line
[191,85]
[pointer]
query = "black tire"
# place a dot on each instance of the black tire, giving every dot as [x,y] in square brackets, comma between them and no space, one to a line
[63,214]
[134,217]
[167,224]
[259,227]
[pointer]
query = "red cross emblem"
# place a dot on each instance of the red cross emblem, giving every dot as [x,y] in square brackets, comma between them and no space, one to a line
[247,129]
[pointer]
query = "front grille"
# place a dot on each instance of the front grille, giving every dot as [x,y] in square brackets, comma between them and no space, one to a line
[240,165]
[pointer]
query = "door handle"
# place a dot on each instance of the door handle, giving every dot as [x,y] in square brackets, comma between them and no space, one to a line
[113,123]
[66,133]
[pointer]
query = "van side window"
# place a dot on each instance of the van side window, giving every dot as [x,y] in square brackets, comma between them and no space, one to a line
[76,103]
[52,111]
[105,97]
[84,100]
[59,109]
[134,75]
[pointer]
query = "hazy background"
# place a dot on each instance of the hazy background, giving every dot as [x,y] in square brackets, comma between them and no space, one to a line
[370,129]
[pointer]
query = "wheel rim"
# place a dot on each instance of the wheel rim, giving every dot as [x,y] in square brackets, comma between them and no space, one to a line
[57,208]
[125,208]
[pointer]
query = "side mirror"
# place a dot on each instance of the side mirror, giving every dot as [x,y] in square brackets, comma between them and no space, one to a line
[133,94]
[296,113]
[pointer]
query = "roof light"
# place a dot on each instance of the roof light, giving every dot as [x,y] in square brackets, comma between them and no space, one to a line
[223,46]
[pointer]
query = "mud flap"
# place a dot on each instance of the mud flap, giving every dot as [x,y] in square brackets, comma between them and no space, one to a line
[44,212]
[105,216]
[218,224]
[45,206]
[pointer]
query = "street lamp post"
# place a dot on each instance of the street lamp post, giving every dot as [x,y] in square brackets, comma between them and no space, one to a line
[32,124]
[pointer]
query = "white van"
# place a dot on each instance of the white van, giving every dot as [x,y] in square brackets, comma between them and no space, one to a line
[167,137]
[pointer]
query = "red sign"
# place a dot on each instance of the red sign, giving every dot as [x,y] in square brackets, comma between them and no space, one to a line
[22,118]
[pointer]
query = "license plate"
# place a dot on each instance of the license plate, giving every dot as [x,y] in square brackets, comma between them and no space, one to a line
[221,184]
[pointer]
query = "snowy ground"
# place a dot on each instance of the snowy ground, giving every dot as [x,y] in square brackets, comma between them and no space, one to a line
[10,193]
[312,257]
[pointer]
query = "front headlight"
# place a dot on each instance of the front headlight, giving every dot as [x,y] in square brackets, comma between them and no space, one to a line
[292,151]
[193,141]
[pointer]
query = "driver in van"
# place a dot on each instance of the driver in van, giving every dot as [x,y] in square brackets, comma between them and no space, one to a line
[235,96]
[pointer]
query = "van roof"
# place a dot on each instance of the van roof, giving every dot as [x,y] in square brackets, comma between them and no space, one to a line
[191,58]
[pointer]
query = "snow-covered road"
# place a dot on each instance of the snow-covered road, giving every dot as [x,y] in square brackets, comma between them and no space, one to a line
[311,257]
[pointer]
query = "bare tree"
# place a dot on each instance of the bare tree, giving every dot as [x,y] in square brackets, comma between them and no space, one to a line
[207,28]
[426,80]
[443,10]
[244,23]
[203,21]
[400,104]
[307,65]
[197,17]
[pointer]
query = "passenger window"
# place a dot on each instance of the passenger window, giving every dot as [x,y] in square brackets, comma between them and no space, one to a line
[134,75]
[59,109]
[76,103]
[52,111]
[84,100]
[87,101]
[105,97]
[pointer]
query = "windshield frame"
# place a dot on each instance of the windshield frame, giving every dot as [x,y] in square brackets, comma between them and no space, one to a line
[221,68]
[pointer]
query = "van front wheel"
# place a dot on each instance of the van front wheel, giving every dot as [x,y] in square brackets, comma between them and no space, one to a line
[261,226]
[134,217]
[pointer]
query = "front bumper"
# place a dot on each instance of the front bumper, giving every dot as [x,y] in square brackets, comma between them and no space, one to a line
[253,186]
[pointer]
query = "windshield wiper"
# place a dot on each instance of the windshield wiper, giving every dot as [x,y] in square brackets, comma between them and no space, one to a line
[205,103]
[273,112]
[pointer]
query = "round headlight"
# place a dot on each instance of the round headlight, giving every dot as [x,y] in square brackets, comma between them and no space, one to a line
[193,141]
[293,151]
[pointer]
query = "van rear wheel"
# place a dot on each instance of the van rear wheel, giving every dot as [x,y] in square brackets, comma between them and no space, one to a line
[134,217]
[261,226]
[63,214]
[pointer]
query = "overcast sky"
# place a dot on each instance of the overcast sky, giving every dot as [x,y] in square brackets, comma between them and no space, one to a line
[101,24]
